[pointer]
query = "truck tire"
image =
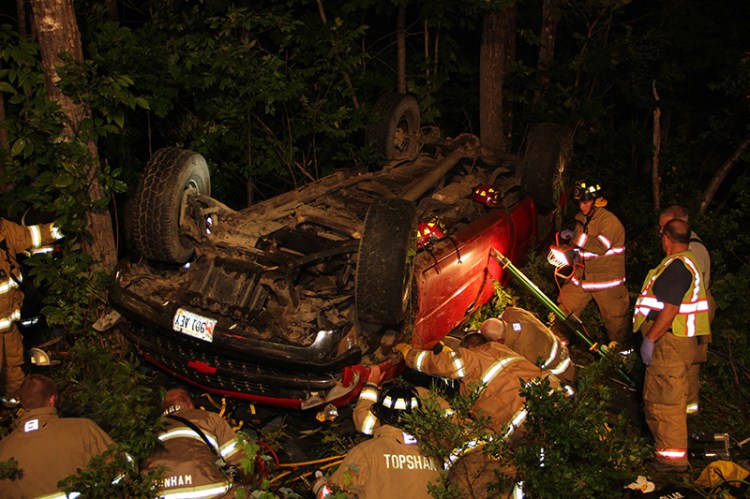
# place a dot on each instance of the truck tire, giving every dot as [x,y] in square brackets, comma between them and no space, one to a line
[548,149]
[385,262]
[155,223]
[396,123]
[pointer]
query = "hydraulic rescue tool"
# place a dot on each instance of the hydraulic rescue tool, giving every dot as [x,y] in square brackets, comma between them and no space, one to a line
[569,321]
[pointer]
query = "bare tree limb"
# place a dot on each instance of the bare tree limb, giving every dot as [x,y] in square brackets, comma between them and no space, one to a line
[721,174]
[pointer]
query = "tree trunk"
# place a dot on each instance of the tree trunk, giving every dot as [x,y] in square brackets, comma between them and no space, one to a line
[57,32]
[721,174]
[401,49]
[493,58]
[550,12]
[656,143]
[110,7]
[4,145]
[23,26]
[426,36]
[509,28]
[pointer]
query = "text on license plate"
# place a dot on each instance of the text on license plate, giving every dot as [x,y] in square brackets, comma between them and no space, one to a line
[194,325]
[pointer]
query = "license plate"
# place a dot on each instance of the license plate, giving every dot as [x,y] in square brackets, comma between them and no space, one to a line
[194,325]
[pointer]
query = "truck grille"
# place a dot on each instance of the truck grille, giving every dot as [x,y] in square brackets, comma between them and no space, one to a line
[182,357]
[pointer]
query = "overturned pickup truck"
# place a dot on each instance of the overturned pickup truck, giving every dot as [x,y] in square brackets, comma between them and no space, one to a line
[289,300]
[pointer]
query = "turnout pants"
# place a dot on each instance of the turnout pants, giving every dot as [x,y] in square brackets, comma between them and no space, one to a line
[613,303]
[694,382]
[665,393]
[11,360]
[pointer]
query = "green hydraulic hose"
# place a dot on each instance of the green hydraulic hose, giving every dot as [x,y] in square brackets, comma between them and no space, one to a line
[570,320]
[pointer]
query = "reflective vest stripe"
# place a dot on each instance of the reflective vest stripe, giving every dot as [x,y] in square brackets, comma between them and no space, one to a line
[36,235]
[649,303]
[7,322]
[615,250]
[456,359]
[55,232]
[552,353]
[210,490]
[182,432]
[458,363]
[496,368]
[518,418]
[598,285]
[672,454]
[611,250]
[368,425]
[517,491]
[369,393]
[561,367]
[420,360]
[60,495]
[692,408]
[469,446]
[6,286]
[229,448]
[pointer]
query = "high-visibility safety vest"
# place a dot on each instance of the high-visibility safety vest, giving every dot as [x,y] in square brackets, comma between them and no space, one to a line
[692,317]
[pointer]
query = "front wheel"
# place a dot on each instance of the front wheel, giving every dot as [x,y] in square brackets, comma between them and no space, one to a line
[169,176]
[396,126]
[385,262]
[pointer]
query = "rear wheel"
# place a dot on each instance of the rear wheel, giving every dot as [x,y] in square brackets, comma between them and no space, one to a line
[547,152]
[385,262]
[168,177]
[396,126]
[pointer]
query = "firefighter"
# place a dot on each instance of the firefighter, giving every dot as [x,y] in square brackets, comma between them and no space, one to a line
[520,330]
[599,241]
[703,259]
[365,420]
[390,464]
[671,313]
[489,366]
[199,451]
[47,448]
[15,239]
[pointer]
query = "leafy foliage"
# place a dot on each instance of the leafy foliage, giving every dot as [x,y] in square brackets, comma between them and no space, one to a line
[577,446]
[570,446]
[267,93]
[9,468]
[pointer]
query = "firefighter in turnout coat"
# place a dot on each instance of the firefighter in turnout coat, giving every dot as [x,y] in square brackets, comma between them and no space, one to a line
[390,464]
[520,330]
[365,420]
[48,448]
[191,464]
[599,240]
[671,313]
[15,239]
[486,365]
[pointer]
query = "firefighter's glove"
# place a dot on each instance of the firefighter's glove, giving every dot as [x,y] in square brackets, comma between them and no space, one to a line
[647,351]
[566,235]
[403,349]
[321,488]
